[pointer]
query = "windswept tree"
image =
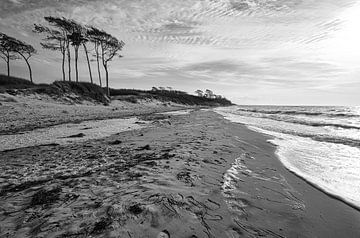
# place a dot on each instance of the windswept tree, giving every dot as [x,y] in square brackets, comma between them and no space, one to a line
[11,48]
[77,38]
[7,50]
[95,35]
[55,40]
[199,92]
[86,38]
[67,33]
[26,51]
[110,47]
[209,93]
[66,27]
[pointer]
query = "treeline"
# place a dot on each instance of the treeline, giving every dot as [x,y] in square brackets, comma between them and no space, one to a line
[208,94]
[167,94]
[62,35]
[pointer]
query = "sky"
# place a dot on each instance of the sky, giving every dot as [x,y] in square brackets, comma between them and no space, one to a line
[283,52]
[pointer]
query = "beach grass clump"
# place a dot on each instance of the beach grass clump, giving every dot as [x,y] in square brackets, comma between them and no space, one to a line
[84,89]
[58,89]
[9,82]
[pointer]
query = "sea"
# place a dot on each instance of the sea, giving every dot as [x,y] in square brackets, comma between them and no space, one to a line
[320,144]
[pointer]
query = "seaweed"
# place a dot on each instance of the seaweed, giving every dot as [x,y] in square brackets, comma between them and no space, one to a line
[77,135]
[135,209]
[101,225]
[115,142]
[45,197]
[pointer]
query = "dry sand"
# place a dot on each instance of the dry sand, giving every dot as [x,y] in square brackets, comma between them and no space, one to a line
[69,133]
[191,175]
[27,112]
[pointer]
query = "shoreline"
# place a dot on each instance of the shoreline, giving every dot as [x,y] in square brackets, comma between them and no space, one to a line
[299,174]
[323,211]
[321,204]
[166,177]
[323,190]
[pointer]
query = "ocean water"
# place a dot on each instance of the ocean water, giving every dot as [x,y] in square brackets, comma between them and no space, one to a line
[319,144]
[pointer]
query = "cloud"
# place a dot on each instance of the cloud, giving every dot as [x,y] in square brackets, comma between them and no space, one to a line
[228,43]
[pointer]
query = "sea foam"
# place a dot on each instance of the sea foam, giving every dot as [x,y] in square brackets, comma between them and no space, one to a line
[331,165]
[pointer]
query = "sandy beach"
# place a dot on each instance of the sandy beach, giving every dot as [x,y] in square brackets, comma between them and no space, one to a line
[27,112]
[191,174]
[179,119]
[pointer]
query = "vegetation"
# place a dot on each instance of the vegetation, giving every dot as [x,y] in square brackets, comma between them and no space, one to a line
[12,49]
[67,32]
[61,35]
[93,34]
[207,94]
[57,90]
[8,82]
[133,95]
[55,40]
[110,46]
[89,91]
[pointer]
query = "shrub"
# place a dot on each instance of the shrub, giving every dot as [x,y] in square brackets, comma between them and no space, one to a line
[13,82]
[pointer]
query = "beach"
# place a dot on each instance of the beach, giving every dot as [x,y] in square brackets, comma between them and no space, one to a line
[26,112]
[179,119]
[191,174]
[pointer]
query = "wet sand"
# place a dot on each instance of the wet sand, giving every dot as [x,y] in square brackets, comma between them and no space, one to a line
[193,175]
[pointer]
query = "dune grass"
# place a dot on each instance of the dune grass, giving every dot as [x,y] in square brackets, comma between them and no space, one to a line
[87,91]
[7,82]
[132,95]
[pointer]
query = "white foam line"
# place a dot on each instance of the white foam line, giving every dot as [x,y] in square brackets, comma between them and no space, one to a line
[311,181]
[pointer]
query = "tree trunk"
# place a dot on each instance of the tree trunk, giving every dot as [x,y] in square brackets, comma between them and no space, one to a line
[88,62]
[98,63]
[8,67]
[28,65]
[107,80]
[30,71]
[69,60]
[76,49]
[63,64]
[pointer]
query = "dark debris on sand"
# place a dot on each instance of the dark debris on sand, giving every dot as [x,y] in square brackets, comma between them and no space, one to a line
[80,135]
[135,209]
[45,197]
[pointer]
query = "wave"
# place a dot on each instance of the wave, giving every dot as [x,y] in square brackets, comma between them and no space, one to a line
[297,150]
[313,182]
[322,124]
[319,138]
[290,130]
[310,123]
[324,157]
[315,124]
[336,140]
[292,112]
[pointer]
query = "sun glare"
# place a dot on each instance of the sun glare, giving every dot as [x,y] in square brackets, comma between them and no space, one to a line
[343,45]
